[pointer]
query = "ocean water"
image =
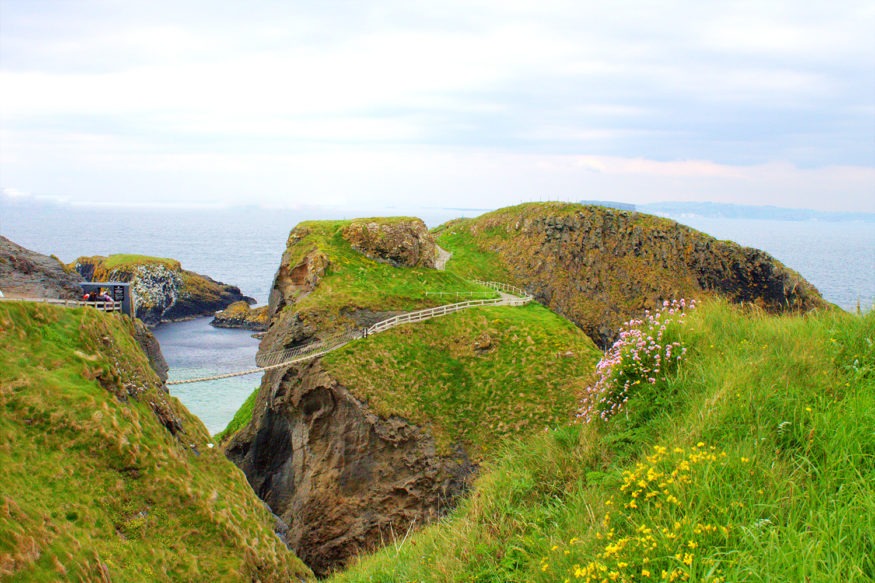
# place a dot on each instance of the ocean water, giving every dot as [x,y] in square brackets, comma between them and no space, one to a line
[196,349]
[243,247]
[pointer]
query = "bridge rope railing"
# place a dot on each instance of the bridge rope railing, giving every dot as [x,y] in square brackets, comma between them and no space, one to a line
[103,306]
[511,296]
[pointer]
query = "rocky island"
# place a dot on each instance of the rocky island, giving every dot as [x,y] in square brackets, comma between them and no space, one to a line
[242,315]
[165,292]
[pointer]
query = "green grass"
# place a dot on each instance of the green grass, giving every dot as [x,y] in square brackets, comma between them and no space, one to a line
[241,419]
[356,282]
[769,429]
[474,377]
[94,486]
[124,259]
[469,260]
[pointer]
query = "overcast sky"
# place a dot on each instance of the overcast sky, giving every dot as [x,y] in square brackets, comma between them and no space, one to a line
[455,104]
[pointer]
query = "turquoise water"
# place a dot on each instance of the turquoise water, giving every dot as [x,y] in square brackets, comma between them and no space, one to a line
[196,349]
[243,247]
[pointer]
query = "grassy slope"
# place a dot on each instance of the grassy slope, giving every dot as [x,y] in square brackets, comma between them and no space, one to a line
[474,377]
[523,378]
[93,485]
[354,281]
[786,494]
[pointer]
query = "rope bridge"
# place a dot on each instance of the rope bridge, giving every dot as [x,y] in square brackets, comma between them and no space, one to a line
[509,296]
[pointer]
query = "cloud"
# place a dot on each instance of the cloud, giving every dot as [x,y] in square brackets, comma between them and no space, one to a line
[687,94]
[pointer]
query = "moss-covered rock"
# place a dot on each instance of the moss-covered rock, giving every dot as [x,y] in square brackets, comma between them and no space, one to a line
[105,476]
[400,241]
[165,292]
[324,285]
[241,315]
[600,267]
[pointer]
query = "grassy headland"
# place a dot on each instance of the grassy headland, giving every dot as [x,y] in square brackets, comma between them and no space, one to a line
[354,281]
[104,475]
[599,267]
[754,460]
[474,377]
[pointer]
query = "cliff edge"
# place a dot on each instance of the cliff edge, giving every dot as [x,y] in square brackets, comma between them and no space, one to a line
[356,448]
[599,266]
[28,274]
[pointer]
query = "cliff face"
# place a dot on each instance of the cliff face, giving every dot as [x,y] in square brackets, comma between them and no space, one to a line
[165,292]
[355,448]
[344,479]
[28,274]
[599,266]
[315,249]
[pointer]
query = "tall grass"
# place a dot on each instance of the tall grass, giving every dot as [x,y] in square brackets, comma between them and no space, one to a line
[760,468]
[103,475]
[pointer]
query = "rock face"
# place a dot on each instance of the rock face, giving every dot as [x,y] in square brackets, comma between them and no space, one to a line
[600,266]
[401,242]
[151,348]
[241,315]
[28,274]
[301,270]
[342,478]
[165,292]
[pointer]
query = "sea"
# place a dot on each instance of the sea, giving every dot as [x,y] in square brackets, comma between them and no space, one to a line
[243,246]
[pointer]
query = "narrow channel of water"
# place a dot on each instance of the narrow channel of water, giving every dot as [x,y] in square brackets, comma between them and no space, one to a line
[193,349]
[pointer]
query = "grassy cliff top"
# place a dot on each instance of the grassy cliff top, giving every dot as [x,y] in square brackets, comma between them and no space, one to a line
[121,260]
[105,476]
[754,460]
[600,266]
[474,377]
[353,281]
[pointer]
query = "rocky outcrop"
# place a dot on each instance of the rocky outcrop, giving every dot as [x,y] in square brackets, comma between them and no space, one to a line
[401,241]
[600,266]
[301,269]
[28,274]
[165,292]
[241,315]
[151,348]
[344,479]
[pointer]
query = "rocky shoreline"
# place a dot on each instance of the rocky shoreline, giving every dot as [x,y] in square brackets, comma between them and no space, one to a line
[165,291]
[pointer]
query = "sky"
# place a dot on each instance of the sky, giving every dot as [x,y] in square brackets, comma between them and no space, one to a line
[462,104]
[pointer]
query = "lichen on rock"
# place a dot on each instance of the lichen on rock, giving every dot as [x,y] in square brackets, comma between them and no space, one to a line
[401,241]
[599,267]
[241,315]
[164,291]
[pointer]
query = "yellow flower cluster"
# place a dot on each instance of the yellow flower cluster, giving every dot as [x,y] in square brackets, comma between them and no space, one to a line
[649,534]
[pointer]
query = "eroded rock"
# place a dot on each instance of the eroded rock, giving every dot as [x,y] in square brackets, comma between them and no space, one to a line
[165,292]
[401,242]
[343,479]
[28,274]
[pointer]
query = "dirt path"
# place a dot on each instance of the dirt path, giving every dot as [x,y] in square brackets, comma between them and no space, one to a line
[443,256]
